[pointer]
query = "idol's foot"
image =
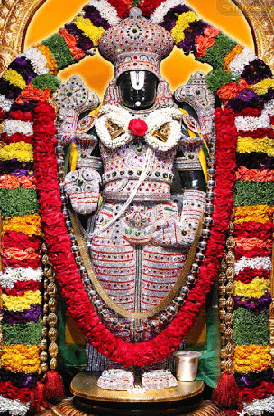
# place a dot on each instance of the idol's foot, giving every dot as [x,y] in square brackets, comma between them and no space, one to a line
[116,379]
[158,379]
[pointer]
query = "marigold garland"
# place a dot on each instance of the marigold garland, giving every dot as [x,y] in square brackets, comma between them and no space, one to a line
[182,23]
[12,181]
[51,62]
[29,224]
[20,151]
[258,213]
[92,32]
[15,78]
[231,55]
[251,358]
[263,86]
[261,145]
[256,289]
[21,303]
[256,175]
[71,42]
[30,93]
[21,358]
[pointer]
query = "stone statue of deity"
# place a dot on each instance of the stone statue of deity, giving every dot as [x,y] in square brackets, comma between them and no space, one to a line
[136,190]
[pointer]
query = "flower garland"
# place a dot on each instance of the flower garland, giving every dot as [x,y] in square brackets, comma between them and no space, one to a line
[249,88]
[20,250]
[69,280]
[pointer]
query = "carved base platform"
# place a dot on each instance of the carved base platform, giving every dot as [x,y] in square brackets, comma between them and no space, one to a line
[92,400]
[67,408]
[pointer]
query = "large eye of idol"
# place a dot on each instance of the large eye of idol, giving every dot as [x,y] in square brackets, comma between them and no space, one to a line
[138,89]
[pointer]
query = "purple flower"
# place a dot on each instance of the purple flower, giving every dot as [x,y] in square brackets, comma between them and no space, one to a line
[246,98]
[83,41]
[253,379]
[171,17]
[9,166]
[19,379]
[95,17]
[23,67]
[255,160]
[269,95]
[256,71]
[194,29]
[253,304]
[27,106]
[9,90]
[30,315]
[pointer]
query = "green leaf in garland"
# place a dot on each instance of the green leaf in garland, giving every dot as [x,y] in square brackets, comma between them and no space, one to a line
[253,193]
[18,202]
[25,334]
[249,328]
[215,55]
[46,81]
[217,78]
[59,50]
[136,2]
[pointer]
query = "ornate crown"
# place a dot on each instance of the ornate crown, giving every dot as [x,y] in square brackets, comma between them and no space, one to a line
[136,43]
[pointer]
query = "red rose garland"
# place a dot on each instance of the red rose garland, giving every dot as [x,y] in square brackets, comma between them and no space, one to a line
[66,271]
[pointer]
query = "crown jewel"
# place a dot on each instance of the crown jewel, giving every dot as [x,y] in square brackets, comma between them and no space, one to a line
[136,44]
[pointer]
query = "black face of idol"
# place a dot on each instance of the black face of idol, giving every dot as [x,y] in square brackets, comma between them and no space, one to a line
[138,89]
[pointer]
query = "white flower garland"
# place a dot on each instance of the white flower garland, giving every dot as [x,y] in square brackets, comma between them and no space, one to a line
[242,59]
[159,14]
[255,263]
[12,275]
[107,11]
[5,103]
[13,407]
[247,123]
[38,60]
[269,108]
[258,407]
[118,116]
[154,121]
[18,126]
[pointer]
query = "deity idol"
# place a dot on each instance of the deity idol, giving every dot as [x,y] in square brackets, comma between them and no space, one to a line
[123,235]
[140,233]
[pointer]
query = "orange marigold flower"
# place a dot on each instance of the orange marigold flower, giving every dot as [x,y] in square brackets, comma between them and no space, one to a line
[31,93]
[232,89]
[203,43]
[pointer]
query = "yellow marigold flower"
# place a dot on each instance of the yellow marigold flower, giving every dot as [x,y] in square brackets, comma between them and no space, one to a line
[256,289]
[21,303]
[263,86]
[21,358]
[28,224]
[251,358]
[258,213]
[260,145]
[91,31]
[182,23]
[14,78]
[231,55]
[20,150]
[51,61]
